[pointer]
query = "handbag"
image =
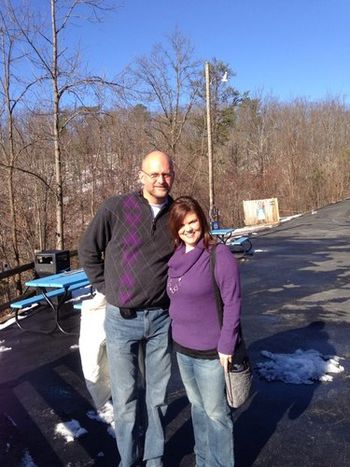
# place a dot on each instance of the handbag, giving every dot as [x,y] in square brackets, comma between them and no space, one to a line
[239,377]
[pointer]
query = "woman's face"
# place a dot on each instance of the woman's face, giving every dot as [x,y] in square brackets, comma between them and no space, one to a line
[190,230]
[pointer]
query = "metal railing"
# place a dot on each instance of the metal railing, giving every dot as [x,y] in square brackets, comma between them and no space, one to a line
[9,291]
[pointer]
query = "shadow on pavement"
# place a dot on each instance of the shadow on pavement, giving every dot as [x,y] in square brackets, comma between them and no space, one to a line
[274,401]
[180,441]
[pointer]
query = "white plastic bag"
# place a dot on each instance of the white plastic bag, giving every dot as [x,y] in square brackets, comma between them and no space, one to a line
[92,347]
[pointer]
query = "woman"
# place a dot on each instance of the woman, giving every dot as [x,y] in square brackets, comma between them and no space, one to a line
[203,349]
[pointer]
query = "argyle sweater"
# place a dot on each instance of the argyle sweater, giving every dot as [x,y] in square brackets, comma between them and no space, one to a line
[125,251]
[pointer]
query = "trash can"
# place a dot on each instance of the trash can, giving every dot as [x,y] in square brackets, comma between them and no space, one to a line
[49,262]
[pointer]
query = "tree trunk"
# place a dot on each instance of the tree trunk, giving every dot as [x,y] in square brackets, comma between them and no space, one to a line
[56,132]
[11,161]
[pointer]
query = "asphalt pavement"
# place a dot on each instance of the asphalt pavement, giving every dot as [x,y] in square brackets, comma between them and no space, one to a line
[296,295]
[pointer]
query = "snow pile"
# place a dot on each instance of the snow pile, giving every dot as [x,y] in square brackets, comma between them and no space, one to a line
[3,348]
[300,367]
[70,430]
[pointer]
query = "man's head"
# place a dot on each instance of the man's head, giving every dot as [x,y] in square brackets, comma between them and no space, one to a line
[157,176]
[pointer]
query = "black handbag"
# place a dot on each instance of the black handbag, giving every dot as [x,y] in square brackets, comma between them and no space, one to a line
[239,376]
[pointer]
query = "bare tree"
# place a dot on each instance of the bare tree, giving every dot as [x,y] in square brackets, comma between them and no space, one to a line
[67,83]
[13,90]
[163,81]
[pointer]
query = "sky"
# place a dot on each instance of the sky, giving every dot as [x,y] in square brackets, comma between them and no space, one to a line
[282,48]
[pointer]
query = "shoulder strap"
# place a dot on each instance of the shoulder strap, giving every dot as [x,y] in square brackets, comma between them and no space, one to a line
[240,352]
[218,299]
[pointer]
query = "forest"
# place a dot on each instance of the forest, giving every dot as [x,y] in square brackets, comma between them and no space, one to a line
[69,139]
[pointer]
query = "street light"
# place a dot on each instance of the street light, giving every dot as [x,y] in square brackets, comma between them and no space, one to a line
[210,145]
[213,211]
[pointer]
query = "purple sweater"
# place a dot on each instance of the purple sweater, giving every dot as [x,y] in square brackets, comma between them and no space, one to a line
[193,311]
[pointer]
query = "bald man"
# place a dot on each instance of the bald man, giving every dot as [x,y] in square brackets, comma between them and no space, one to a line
[124,252]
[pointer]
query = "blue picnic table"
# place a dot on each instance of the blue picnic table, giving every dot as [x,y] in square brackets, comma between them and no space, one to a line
[53,290]
[222,234]
[62,280]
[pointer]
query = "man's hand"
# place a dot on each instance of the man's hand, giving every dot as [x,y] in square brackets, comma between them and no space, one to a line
[225,360]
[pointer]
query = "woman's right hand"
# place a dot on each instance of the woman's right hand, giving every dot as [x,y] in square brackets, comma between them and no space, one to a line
[225,360]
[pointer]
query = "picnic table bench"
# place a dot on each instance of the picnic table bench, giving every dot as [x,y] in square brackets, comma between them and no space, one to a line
[240,245]
[48,288]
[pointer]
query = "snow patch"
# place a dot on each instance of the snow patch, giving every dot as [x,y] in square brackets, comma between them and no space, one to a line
[300,367]
[7,323]
[3,348]
[27,460]
[289,218]
[104,415]
[70,430]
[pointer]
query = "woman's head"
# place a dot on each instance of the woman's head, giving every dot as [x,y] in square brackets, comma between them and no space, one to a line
[188,223]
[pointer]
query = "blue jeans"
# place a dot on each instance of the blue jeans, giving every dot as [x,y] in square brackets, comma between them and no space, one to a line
[123,338]
[204,382]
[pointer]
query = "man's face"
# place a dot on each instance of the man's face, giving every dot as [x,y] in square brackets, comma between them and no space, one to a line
[157,177]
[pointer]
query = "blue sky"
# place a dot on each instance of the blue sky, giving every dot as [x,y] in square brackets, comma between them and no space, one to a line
[284,48]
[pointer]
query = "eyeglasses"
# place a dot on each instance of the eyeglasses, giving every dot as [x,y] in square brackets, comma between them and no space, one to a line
[154,176]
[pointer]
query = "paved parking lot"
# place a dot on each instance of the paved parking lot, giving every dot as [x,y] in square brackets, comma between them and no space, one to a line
[296,293]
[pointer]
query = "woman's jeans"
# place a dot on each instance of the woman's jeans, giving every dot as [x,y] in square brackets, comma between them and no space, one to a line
[123,340]
[204,382]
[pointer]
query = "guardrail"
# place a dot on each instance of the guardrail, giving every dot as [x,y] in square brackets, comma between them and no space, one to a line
[18,270]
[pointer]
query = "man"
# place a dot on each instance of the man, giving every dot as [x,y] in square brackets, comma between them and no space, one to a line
[124,252]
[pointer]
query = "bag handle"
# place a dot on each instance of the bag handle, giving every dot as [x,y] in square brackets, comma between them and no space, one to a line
[240,352]
[218,299]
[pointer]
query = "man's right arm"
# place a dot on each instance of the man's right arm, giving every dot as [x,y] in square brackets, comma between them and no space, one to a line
[93,245]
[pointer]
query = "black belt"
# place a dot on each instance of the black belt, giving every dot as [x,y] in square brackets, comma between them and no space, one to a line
[130,313]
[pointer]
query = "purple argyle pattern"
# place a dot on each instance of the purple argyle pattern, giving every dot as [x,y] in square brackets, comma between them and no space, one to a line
[131,242]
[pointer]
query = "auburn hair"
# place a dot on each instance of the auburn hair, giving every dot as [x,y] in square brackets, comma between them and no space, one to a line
[178,211]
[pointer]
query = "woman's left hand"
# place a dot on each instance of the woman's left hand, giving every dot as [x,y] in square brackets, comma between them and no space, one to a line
[225,360]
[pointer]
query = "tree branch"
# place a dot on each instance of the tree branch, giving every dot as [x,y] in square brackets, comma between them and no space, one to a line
[7,166]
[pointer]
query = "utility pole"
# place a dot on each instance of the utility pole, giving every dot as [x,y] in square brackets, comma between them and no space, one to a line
[210,144]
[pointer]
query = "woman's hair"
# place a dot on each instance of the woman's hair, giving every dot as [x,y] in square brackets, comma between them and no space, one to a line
[178,211]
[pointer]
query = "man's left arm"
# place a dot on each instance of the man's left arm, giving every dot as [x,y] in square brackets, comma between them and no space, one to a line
[93,245]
